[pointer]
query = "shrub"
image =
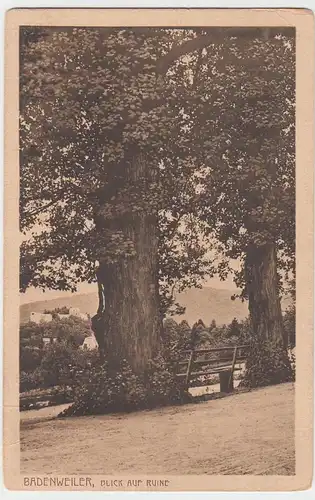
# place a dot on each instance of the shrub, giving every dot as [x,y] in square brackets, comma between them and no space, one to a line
[30,329]
[30,358]
[234,329]
[102,389]
[292,362]
[29,381]
[289,325]
[56,365]
[61,362]
[72,330]
[267,364]
[175,339]
[162,386]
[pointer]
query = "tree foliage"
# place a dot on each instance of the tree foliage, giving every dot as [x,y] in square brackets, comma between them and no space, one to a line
[246,117]
[57,310]
[289,321]
[183,135]
[219,127]
[91,99]
[69,330]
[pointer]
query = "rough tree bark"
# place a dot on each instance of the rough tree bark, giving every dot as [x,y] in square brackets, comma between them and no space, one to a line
[263,294]
[128,323]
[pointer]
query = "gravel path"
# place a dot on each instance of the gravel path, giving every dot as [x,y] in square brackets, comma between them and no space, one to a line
[247,433]
[43,414]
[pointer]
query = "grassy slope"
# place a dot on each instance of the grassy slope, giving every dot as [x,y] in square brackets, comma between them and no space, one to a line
[249,433]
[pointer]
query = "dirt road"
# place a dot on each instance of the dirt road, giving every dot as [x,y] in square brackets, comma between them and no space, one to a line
[249,433]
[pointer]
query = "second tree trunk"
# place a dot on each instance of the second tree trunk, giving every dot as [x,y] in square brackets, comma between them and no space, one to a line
[263,293]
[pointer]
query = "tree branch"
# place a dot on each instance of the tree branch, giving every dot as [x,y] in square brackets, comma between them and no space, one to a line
[197,69]
[217,34]
[44,207]
[60,196]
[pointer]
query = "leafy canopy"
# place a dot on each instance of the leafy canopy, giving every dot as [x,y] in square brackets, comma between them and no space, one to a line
[245,109]
[211,110]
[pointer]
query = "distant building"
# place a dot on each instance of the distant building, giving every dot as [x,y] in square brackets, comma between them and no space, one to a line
[73,311]
[39,317]
[63,316]
[89,343]
[49,340]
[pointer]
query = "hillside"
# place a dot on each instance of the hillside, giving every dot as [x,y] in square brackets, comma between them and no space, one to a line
[206,303]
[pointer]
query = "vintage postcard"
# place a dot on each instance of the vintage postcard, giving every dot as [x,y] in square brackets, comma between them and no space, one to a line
[158,294]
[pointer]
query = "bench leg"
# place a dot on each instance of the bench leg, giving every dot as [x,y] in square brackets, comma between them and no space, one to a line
[226,382]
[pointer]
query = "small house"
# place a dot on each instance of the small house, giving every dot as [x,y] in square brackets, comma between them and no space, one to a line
[89,343]
[49,340]
[36,317]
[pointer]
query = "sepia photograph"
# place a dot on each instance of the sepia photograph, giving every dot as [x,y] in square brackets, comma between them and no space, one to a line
[157,178]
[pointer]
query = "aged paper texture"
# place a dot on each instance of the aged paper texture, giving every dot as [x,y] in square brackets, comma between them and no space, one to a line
[158,162]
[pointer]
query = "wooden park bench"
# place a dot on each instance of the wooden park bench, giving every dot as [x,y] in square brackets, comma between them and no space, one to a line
[196,365]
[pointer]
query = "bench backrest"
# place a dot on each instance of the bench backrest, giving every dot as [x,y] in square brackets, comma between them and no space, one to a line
[195,366]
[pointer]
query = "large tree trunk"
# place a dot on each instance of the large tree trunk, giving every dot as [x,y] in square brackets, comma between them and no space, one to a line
[128,323]
[263,294]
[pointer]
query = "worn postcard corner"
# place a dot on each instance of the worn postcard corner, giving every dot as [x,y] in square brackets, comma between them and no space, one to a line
[158,274]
